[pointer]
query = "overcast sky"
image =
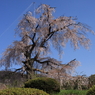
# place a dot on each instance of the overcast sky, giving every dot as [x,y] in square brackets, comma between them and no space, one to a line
[11,12]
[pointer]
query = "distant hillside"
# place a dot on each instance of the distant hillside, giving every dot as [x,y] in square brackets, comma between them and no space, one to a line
[12,79]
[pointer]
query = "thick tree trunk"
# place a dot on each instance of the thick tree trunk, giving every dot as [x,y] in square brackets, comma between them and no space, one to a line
[29,68]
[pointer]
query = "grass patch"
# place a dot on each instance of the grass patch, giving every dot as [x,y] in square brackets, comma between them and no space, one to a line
[71,92]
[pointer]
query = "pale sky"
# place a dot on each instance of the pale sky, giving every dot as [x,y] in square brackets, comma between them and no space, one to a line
[84,10]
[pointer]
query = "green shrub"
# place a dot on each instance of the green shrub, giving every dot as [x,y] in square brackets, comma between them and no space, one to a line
[46,84]
[22,91]
[91,80]
[91,91]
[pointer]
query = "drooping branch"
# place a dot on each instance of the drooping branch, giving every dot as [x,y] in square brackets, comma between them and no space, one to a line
[42,71]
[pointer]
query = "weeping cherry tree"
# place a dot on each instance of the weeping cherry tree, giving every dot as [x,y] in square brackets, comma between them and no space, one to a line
[38,35]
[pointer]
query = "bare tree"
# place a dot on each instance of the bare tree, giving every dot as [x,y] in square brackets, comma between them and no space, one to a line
[38,35]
